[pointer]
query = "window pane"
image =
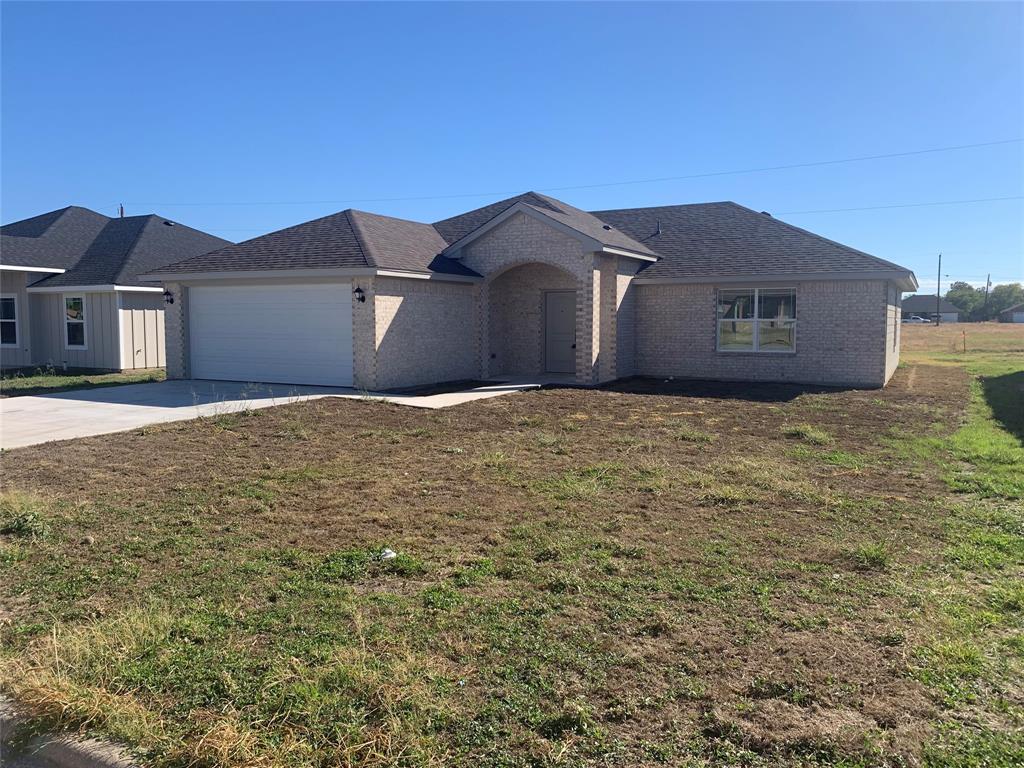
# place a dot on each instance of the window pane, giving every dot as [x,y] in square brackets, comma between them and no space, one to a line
[736,335]
[7,308]
[776,304]
[8,332]
[776,336]
[737,305]
[74,308]
[76,334]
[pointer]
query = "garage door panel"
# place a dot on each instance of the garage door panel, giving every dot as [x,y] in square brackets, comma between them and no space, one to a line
[291,334]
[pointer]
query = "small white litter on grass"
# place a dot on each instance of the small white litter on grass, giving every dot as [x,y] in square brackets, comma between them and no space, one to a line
[388,554]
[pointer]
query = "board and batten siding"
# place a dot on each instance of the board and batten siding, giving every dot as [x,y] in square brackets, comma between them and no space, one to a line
[13,284]
[102,340]
[142,330]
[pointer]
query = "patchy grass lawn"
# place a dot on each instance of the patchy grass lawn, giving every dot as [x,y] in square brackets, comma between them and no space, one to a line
[42,381]
[692,574]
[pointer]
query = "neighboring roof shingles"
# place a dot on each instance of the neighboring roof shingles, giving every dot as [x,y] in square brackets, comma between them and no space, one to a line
[97,250]
[345,240]
[724,239]
[922,302]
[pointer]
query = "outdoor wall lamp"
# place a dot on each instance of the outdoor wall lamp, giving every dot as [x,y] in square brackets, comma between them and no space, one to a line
[168,297]
[359,295]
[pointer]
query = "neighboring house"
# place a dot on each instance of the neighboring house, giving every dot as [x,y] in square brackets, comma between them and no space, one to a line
[1014,314]
[923,305]
[70,295]
[531,286]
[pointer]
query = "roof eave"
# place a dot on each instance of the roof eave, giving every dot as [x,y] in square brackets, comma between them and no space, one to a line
[16,268]
[901,279]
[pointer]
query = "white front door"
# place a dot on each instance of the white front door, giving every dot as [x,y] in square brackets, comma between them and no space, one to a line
[281,334]
[560,331]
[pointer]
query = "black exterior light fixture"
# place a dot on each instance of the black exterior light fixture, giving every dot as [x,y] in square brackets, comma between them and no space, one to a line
[359,295]
[168,297]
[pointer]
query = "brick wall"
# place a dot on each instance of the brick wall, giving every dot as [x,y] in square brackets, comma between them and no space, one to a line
[524,240]
[841,326]
[893,317]
[625,317]
[425,332]
[515,327]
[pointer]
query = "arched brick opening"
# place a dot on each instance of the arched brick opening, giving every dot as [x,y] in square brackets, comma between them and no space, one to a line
[515,337]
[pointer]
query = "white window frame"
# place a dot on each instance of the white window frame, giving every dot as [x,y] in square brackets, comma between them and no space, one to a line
[84,321]
[17,321]
[756,320]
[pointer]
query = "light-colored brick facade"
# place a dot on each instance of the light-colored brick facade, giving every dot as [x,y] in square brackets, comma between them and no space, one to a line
[412,331]
[840,336]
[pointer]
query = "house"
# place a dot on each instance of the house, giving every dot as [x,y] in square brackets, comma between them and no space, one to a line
[70,294]
[531,286]
[1014,314]
[923,305]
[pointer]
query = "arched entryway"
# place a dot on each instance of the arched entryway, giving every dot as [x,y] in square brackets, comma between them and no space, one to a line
[532,321]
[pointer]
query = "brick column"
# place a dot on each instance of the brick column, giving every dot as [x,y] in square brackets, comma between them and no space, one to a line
[364,336]
[483,326]
[176,332]
[588,321]
[607,363]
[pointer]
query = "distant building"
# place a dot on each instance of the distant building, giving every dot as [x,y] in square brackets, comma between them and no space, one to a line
[923,305]
[1014,314]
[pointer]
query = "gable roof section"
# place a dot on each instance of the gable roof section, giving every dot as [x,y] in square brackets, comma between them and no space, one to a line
[725,239]
[922,302]
[462,229]
[348,239]
[94,249]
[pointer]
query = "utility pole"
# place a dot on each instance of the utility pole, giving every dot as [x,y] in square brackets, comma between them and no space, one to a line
[938,294]
[984,307]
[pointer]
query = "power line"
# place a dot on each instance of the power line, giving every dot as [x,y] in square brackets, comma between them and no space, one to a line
[904,205]
[762,169]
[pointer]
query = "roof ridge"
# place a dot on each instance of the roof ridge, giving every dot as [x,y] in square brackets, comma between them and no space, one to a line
[795,228]
[361,239]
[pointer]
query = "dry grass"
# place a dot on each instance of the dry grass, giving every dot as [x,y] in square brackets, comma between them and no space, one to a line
[584,579]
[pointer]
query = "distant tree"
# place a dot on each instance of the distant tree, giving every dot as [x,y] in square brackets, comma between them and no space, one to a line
[1002,297]
[966,298]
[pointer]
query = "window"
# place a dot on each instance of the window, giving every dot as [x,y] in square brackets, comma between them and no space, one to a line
[757,320]
[74,322]
[8,320]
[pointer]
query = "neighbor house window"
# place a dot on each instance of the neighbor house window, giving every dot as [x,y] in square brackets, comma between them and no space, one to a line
[74,321]
[8,320]
[757,320]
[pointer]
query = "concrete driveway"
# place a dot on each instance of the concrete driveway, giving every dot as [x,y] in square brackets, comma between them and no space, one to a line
[42,418]
[37,419]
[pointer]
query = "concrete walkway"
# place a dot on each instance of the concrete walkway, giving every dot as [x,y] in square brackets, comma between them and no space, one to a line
[38,419]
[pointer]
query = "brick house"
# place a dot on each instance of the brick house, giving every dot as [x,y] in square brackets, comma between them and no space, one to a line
[533,287]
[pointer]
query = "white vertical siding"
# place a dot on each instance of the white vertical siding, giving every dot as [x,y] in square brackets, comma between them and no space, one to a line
[142,330]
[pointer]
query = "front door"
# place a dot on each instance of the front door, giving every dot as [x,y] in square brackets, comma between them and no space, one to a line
[560,331]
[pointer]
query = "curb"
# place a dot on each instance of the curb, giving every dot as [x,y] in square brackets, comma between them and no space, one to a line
[55,751]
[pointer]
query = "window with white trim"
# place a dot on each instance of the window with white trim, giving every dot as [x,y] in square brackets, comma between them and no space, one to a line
[74,322]
[757,320]
[8,320]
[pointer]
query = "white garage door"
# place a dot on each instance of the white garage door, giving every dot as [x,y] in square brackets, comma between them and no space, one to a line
[287,334]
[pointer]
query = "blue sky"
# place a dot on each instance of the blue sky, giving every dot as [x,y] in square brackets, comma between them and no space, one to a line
[300,108]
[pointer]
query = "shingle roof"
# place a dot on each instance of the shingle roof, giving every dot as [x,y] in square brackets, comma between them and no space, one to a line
[723,239]
[922,302]
[604,232]
[695,241]
[348,239]
[54,240]
[95,249]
